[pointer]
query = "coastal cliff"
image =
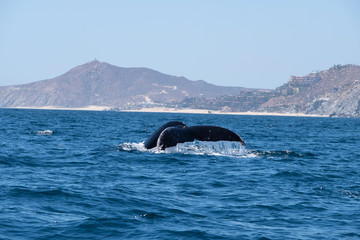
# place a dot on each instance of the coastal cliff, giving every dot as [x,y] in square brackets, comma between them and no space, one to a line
[334,92]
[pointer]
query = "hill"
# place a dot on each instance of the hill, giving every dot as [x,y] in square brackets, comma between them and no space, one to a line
[333,92]
[102,84]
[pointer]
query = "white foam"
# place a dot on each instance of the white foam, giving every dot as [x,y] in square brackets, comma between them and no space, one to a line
[45,132]
[220,148]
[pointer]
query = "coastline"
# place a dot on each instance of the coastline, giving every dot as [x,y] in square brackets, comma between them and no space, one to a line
[174,110]
[205,111]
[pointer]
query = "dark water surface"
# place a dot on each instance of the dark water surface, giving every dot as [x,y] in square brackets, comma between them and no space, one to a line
[89,177]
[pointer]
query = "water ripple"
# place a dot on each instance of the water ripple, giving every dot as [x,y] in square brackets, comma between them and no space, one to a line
[92,178]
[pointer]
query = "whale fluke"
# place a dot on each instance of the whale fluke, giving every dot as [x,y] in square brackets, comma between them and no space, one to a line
[172,133]
[152,140]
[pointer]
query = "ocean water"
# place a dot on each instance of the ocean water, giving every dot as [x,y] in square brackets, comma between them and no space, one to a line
[86,175]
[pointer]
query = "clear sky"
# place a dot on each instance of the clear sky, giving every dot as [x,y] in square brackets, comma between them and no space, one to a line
[257,44]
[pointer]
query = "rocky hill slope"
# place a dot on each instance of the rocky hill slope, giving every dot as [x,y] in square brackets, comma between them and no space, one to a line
[333,92]
[102,84]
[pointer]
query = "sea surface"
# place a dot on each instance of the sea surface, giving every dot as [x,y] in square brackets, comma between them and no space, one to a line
[87,175]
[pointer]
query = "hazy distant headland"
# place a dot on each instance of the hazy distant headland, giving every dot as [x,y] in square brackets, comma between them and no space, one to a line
[333,92]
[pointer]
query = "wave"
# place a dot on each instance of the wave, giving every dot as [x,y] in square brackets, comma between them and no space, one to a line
[38,193]
[220,148]
[282,154]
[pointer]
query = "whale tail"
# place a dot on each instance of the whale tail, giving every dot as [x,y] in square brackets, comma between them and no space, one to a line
[214,134]
[172,133]
[151,142]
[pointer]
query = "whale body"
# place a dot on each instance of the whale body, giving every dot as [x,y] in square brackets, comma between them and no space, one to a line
[172,133]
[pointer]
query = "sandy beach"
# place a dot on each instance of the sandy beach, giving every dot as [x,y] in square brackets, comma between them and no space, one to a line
[87,108]
[176,110]
[204,111]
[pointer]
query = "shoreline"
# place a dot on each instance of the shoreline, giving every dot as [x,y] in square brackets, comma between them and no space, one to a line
[174,110]
[205,111]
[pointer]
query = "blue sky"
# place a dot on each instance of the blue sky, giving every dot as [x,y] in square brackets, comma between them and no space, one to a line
[256,44]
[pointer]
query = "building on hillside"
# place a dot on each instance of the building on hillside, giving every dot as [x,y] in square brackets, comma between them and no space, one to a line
[303,82]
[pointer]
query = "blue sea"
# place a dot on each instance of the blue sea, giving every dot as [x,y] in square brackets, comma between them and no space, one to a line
[87,175]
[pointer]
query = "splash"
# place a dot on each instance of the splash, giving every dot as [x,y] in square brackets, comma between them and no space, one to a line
[220,148]
[133,147]
[45,132]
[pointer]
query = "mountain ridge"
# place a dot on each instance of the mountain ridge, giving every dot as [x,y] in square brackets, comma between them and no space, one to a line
[333,92]
[100,83]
